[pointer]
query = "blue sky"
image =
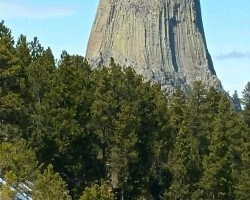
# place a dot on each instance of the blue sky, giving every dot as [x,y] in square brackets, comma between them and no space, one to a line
[65,25]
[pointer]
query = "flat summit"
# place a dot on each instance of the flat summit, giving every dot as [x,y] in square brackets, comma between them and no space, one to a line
[163,40]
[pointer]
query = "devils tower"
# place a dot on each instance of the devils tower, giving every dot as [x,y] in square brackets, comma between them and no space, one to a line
[163,40]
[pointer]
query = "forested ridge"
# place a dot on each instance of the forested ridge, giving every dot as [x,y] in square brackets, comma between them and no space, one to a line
[70,132]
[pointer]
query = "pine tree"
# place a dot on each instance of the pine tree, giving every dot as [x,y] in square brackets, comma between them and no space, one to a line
[11,103]
[65,114]
[38,82]
[184,160]
[115,122]
[6,190]
[209,110]
[39,74]
[36,48]
[243,185]
[177,107]
[200,109]
[222,162]
[242,189]
[18,166]
[236,102]
[23,51]
[246,103]
[50,186]
[100,192]
[198,96]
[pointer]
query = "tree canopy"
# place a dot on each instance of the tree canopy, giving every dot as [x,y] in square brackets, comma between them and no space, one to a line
[68,131]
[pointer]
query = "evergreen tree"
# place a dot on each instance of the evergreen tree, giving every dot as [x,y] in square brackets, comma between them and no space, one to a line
[222,161]
[236,102]
[242,189]
[6,190]
[201,111]
[184,157]
[36,48]
[11,103]
[100,192]
[198,97]
[38,81]
[115,122]
[246,103]
[18,166]
[109,124]
[205,121]
[65,116]
[50,186]
[39,75]
[23,51]
[177,109]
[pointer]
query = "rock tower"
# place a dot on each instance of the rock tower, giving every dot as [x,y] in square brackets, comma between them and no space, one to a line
[163,40]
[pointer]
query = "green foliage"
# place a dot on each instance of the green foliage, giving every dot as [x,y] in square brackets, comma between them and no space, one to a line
[19,158]
[11,103]
[184,164]
[23,51]
[67,106]
[100,192]
[246,103]
[236,101]
[109,124]
[6,191]
[18,166]
[115,119]
[217,178]
[246,95]
[50,186]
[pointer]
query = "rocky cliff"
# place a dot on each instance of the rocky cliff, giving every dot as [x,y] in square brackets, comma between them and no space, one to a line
[163,40]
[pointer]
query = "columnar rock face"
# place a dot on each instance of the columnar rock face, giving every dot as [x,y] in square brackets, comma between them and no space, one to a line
[163,40]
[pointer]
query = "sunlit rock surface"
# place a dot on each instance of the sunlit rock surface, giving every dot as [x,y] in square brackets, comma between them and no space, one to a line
[163,40]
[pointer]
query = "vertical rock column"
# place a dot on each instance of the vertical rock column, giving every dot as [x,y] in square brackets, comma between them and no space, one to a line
[161,39]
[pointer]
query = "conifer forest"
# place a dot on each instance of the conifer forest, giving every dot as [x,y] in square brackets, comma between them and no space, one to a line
[68,131]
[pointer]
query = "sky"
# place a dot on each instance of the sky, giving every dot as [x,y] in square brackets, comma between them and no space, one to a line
[66,25]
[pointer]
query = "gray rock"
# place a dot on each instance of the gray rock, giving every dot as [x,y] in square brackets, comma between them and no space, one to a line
[163,40]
